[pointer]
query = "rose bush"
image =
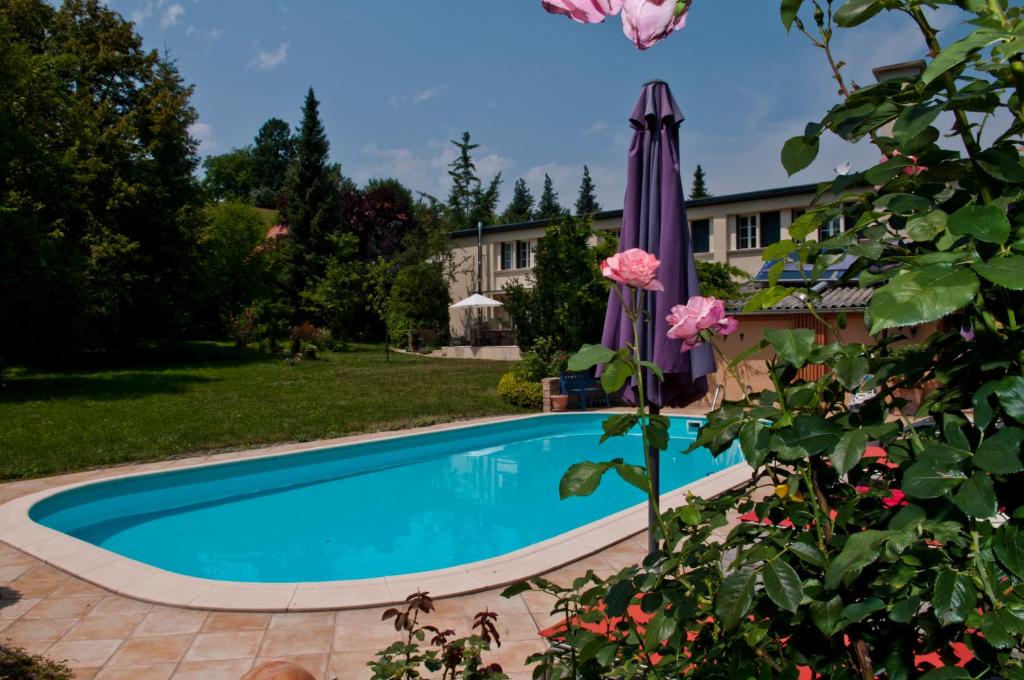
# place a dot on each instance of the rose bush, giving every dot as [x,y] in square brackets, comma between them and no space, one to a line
[872,544]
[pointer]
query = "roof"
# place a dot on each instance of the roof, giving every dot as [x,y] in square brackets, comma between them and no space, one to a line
[833,299]
[693,203]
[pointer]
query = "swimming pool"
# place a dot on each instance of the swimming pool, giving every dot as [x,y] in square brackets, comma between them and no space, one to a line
[374,509]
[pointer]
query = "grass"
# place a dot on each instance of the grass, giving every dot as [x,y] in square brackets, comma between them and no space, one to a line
[215,398]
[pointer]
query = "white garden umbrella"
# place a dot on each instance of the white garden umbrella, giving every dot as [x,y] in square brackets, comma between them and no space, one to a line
[476,300]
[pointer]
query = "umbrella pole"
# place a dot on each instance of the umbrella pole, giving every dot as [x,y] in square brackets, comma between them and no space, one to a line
[654,506]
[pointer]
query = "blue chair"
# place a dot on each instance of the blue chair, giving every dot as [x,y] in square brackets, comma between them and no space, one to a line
[584,387]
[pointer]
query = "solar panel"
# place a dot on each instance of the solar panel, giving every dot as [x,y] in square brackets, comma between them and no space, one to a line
[791,272]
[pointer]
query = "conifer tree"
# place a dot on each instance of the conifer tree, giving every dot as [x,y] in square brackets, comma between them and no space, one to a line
[520,208]
[469,201]
[700,187]
[548,207]
[586,201]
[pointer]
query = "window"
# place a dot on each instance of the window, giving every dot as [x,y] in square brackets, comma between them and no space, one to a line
[506,255]
[831,227]
[522,254]
[746,232]
[700,233]
[771,228]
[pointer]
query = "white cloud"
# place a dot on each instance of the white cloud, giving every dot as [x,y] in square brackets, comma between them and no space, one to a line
[203,132]
[266,60]
[598,126]
[427,95]
[402,101]
[170,15]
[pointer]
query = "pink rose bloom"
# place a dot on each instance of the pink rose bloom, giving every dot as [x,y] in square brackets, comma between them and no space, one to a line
[910,170]
[635,268]
[584,11]
[699,314]
[646,22]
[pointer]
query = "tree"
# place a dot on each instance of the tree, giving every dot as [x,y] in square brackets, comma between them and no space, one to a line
[99,206]
[272,153]
[418,301]
[229,176]
[586,201]
[720,280]
[700,188]
[312,208]
[548,207]
[469,202]
[387,216]
[520,208]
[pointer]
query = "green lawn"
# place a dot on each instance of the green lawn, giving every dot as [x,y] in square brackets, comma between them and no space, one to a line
[53,422]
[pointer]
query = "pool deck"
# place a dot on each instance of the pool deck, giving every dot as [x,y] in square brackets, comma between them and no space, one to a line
[104,634]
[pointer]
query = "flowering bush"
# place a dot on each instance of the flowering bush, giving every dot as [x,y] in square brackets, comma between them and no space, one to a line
[518,391]
[871,545]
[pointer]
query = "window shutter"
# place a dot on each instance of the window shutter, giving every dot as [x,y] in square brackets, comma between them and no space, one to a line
[700,231]
[771,228]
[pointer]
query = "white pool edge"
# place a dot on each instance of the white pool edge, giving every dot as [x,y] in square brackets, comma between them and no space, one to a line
[145,582]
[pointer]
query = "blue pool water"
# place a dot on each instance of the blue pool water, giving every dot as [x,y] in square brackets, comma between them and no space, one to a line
[396,506]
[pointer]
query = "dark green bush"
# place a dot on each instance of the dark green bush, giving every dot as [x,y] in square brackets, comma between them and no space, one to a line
[17,664]
[520,392]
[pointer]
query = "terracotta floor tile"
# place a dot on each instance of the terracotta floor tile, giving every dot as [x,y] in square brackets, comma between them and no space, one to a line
[516,627]
[242,644]
[167,621]
[63,607]
[84,673]
[231,669]
[223,621]
[115,604]
[353,638]
[314,663]
[85,653]
[15,609]
[492,600]
[10,573]
[304,619]
[36,587]
[293,641]
[512,656]
[151,650]
[104,627]
[148,672]
[77,588]
[40,630]
[350,666]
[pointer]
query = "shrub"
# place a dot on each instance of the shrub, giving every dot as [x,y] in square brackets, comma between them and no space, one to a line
[17,664]
[307,340]
[544,360]
[518,391]
[243,328]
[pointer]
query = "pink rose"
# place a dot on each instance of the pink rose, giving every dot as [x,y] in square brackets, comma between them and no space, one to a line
[646,22]
[910,170]
[635,268]
[584,11]
[699,314]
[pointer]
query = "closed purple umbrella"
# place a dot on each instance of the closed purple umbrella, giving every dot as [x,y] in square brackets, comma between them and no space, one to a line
[654,219]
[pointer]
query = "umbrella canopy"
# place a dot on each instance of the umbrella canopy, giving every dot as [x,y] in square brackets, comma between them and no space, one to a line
[654,219]
[476,300]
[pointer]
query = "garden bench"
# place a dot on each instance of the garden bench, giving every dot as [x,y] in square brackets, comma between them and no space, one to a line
[585,387]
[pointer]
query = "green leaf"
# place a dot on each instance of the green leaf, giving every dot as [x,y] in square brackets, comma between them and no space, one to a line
[782,584]
[633,474]
[766,297]
[582,479]
[618,425]
[789,10]
[615,375]
[1010,391]
[983,411]
[1007,272]
[654,368]
[793,345]
[849,451]
[855,12]
[954,596]
[1008,544]
[1002,162]
[811,434]
[984,222]
[1000,453]
[657,432]
[913,120]
[923,228]
[734,597]
[904,610]
[954,55]
[906,516]
[921,295]
[799,152]
[977,496]
[925,480]
[589,356]
[690,515]
[754,442]
[808,553]
[858,611]
[1001,628]
[860,550]
[516,589]
[827,615]
[659,629]
[947,673]
[850,370]
[619,596]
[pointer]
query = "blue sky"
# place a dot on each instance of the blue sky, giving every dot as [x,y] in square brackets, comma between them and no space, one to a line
[540,93]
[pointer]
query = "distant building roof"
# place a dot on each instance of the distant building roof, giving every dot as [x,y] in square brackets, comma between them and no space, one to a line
[693,203]
[833,299]
[278,231]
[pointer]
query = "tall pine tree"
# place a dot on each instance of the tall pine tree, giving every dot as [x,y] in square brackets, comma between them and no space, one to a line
[520,208]
[700,187]
[548,207]
[469,201]
[312,210]
[271,155]
[586,201]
